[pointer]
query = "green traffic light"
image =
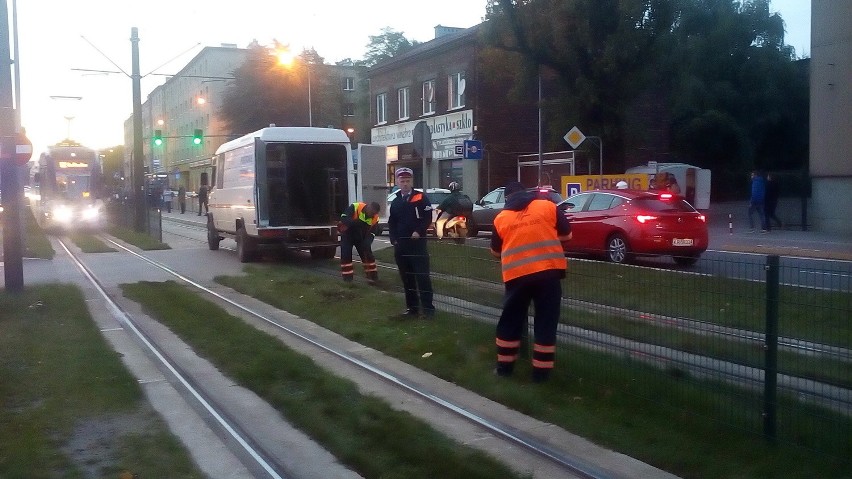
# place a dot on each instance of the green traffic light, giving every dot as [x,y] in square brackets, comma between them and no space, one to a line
[196,137]
[158,137]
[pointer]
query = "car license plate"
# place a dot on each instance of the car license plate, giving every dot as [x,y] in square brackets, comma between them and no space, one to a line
[682,242]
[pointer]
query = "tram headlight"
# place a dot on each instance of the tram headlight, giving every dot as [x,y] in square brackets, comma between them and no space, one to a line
[90,213]
[62,214]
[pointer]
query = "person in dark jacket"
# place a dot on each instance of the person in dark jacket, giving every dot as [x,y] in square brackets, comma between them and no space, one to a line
[771,202]
[757,201]
[410,217]
[527,236]
[357,228]
[182,198]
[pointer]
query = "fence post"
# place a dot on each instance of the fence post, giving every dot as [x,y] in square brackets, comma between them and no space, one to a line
[770,379]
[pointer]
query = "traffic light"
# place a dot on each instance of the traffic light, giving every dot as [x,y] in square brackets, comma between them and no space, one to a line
[197,137]
[158,137]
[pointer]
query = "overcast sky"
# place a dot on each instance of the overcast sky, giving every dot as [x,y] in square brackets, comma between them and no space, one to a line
[57,36]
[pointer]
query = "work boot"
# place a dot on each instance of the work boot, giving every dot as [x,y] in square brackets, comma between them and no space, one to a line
[347,279]
[504,369]
[372,277]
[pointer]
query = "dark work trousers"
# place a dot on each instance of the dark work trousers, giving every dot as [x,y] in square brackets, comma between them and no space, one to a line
[412,260]
[546,297]
[364,247]
[182,205]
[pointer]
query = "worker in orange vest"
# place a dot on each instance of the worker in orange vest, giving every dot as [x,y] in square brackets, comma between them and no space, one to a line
[357,228]
[527,238]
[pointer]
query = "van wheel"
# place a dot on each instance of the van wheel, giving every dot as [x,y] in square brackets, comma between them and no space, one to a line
[323,252]
[245,246]
[617,250]
[213,237]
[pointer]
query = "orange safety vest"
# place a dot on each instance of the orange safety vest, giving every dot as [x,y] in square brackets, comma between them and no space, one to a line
[359,214]
[530,242]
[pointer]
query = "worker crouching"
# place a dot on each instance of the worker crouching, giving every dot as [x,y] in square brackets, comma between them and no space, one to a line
[357,228]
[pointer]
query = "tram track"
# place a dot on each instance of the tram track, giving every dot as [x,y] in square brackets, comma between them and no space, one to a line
[512,436]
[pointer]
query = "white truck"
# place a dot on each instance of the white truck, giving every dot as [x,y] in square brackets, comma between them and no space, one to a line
[281,187]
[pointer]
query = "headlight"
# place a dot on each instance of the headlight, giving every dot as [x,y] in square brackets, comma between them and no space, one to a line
[62,214]
[90,213]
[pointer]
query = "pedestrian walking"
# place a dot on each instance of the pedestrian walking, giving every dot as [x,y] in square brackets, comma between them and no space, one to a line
[527,238]
[358,229]
[202,199]
[410,217]
[167,199]
[757,201]
[771,203]
[182,199]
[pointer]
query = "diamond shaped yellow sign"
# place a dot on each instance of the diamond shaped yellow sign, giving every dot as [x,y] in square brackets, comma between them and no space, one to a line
[574,137]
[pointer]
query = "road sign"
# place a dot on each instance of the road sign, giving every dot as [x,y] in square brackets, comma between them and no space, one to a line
[472,150]
[459,149]
[574,137]
[18,149]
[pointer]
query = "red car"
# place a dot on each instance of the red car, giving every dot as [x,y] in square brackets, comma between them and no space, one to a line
[621,224]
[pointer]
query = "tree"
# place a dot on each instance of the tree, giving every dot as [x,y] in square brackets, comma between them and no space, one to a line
[386,45]
[708,82]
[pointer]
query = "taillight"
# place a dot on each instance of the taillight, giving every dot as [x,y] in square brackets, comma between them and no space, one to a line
[665,196]
[702,218]
[645,218]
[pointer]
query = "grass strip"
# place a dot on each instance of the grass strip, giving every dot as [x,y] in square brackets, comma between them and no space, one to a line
[37,244]
[362,431]
[596,395]
[69,407]
[142,241]
[89,243]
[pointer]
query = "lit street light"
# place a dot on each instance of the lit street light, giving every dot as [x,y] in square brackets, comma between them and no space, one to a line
[286,58]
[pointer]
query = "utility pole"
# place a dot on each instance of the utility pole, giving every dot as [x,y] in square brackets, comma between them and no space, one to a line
[10,184]
[137,158]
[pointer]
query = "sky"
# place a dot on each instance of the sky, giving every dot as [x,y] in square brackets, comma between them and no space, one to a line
[57,38]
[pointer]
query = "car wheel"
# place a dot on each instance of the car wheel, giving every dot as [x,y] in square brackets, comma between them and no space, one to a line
[213,237]
[245,246]
[617,250]
[686,260]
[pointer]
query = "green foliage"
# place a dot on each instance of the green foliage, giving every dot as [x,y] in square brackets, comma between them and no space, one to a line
[707,82]
[388,44]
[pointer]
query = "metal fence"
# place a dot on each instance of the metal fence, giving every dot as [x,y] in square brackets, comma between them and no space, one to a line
[763,344]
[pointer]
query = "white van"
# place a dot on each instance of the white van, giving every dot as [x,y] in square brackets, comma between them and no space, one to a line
[281,187]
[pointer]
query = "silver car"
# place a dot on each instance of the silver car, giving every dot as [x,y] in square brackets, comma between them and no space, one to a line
[490,205]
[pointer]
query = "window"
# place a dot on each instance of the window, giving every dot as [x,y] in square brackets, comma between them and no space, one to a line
[578,201]
[381,108]
[349,109]
[601,202]
[348,84]
[402,96]
[429,97]
[456,90]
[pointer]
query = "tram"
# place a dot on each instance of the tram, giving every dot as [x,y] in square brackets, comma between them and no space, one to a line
[69,183]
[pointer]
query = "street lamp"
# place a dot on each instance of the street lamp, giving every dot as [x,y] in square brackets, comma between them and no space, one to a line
[286,58]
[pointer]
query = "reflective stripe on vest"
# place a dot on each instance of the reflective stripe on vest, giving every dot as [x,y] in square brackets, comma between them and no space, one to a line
[530,242]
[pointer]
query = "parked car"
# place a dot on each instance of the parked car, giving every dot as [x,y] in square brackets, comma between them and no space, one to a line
[435,195]
[622,224]
[487,208]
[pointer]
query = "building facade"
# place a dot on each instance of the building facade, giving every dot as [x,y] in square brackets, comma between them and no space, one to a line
[441,85]
[831,120]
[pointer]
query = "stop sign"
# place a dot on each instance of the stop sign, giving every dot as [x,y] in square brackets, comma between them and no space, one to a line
[18,149]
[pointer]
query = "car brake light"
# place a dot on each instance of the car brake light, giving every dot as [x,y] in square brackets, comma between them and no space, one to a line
[666,196]
[702,218]
[645,218]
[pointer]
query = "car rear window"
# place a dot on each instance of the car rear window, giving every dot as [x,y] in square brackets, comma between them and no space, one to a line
[654,203]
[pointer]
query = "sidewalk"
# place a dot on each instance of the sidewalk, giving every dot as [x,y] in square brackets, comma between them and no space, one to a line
[729,231]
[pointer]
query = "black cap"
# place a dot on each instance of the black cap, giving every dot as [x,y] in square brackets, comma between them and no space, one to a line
[513,187]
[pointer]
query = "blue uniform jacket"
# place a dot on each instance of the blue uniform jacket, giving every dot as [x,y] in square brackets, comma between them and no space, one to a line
[406,217]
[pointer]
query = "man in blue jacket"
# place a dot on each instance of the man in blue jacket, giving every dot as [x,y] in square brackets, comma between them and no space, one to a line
[756,202]
[410,217]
